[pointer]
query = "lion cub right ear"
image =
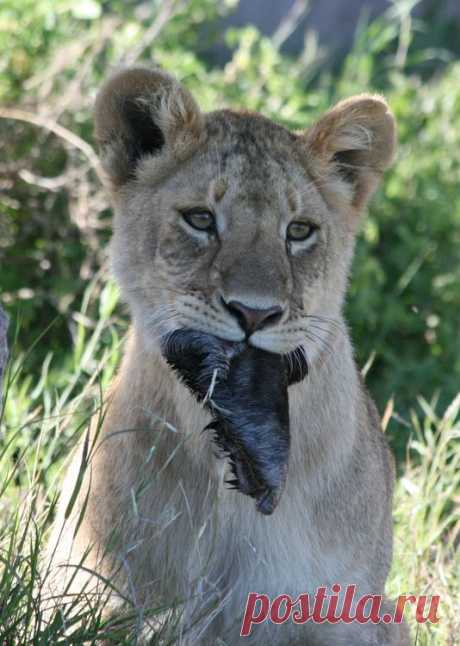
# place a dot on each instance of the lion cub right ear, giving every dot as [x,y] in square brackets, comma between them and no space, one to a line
[351,146]
[139,113]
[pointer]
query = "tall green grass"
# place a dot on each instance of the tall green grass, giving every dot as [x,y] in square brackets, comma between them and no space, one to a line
[42,421]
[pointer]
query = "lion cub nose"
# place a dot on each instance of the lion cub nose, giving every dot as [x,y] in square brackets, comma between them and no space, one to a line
[252,319]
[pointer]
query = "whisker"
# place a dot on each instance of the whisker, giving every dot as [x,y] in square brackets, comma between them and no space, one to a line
[297,352]
[291,361]
[321,344]
[327,319]
[327,332]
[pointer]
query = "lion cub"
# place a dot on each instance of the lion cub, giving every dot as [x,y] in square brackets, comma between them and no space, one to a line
[230,225]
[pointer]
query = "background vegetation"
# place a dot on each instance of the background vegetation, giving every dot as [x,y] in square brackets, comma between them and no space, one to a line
[67,327]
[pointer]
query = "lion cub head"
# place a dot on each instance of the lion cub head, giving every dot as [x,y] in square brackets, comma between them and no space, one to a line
[228,223]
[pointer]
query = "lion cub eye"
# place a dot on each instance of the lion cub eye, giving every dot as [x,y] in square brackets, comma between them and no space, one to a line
[200,219]
[300,231]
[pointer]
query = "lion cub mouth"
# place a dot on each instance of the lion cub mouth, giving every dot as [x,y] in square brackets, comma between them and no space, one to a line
[246,390]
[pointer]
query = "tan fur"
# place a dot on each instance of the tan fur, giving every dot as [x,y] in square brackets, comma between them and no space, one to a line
[158,511]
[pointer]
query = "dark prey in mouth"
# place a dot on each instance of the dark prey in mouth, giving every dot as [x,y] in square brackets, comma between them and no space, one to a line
[246,390]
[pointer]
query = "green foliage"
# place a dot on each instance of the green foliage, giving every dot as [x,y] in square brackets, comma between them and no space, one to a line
[426,521]
[39,427]
[404,300]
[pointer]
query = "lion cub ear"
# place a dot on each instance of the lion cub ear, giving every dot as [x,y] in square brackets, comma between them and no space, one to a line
[142,112]
[351,146]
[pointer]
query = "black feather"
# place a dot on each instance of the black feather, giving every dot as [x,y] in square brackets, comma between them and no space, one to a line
[246,389]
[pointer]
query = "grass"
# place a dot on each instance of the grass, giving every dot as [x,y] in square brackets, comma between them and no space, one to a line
[41,422]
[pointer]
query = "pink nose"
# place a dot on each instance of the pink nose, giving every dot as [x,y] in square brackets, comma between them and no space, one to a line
[252,319]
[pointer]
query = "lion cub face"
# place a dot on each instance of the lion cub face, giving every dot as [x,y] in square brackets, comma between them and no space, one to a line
[228,223]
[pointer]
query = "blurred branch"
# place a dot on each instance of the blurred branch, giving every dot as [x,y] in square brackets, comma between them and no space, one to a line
[405,37]
[73,93]
[52,183]
[168,9]
[58,130]
[290,22]
[66,56]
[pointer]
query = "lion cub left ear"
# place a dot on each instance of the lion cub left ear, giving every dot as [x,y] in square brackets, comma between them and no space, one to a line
[350,147]
[144,112]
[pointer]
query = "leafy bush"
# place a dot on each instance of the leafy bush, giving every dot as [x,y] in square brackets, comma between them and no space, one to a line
[404,300]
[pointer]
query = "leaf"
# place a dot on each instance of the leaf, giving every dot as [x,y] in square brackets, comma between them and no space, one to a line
[86,10]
